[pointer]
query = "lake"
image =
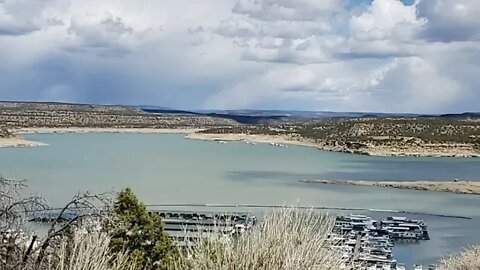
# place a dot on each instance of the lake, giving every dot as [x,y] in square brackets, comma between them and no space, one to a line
[167,168]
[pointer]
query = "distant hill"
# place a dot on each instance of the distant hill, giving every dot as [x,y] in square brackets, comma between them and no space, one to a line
[465,115]
[310,114]
[272,116]
[249,116]
[462,115]
[240,118]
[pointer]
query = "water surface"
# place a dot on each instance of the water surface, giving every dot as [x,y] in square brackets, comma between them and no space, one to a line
[170,169]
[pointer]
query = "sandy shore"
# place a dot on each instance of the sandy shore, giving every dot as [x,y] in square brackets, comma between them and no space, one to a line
[106,130]
[193,133]
[18,142]
[249,138]
[440,150]
[459,187]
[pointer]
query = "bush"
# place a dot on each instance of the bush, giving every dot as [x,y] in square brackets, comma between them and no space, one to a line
[4,133]
[142,236]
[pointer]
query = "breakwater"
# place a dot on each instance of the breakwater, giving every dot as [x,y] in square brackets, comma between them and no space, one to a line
[152,207]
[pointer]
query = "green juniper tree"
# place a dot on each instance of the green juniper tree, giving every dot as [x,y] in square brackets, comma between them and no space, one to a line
[139,234]
[4,132]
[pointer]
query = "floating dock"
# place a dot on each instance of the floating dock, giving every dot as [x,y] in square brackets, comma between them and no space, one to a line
[368,244]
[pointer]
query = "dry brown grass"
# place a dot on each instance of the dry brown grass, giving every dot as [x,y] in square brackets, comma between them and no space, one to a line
[83,250]
[287,239]
[87,251]
[467,260]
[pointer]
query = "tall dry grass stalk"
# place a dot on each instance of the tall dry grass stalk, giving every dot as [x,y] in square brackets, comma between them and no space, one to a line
[287,239]
[467,260]
[86,251]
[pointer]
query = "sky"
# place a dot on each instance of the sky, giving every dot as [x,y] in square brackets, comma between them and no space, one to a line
[332,55]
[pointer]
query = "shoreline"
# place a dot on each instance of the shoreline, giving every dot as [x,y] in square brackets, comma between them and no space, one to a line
[437,151]
[249,138]
[17,141]
[82,130]
[431,151]
[457,187]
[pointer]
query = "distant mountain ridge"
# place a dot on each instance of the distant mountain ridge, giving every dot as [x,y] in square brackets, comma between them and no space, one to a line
[253,116]
[265,116]
[240,118]
[461,115]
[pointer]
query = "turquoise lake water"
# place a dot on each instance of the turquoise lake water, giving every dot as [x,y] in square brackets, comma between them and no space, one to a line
[170,169]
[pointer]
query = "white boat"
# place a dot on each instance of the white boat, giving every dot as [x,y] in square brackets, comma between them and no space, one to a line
[418,267]
[278,144]
[400,266]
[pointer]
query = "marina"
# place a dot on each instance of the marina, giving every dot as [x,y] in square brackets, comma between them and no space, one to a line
[368,244]
[361,241]
[186,227]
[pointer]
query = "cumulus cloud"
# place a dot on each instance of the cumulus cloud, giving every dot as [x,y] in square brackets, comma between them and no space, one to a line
[109,36]
[381,55]
[386,19]
[449,20]
[281,31]
[19,17]
[287,10]
[426,90]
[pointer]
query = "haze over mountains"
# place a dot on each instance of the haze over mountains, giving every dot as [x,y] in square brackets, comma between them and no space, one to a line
[302,114]
[250,116]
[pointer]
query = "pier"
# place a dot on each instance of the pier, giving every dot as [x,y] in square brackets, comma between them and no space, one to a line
[368,244]
[185,228]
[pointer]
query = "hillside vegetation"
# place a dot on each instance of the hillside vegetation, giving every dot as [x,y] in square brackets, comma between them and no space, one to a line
[57,115]
[4,133]
[410,130]
[379,136]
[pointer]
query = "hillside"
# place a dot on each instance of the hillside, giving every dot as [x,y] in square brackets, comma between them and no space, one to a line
[445,135]
[59,115]
[433,136]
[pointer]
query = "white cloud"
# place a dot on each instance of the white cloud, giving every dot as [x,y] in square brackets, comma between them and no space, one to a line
[413,84]
[105,36]
[19,17]
[385,19]
[450,20]
[279,31]
[287,10]
[304,54]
